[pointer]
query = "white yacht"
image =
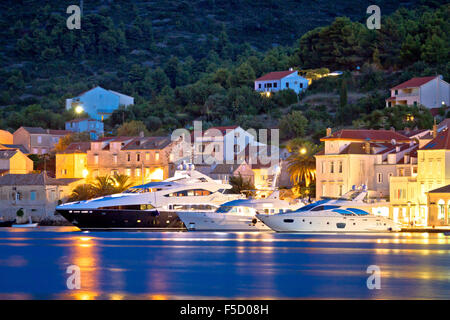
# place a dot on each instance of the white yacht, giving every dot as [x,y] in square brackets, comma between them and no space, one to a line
[237,215]
[347,214]
[150,206]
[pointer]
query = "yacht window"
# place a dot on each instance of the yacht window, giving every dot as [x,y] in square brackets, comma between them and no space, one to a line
[288,220]
[343,212]
[224,209]
[328,207]
[357,211]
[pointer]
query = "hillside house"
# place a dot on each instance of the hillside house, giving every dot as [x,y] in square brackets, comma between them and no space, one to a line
[99,103]
[281,80]
[431,92]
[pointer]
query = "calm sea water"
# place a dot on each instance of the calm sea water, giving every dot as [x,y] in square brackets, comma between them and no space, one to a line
[200,265]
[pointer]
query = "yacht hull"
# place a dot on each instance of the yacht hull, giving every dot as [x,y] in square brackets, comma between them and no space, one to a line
[290,223]
[211,221]
[94,219]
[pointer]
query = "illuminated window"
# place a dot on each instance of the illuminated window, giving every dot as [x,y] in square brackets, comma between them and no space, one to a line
[138,172]
[128,172]
[115,158]
[380,178]
[441,210]
[157,155]
[147,156]
[95,158]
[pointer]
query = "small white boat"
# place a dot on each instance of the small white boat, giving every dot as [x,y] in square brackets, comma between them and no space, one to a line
[30,224]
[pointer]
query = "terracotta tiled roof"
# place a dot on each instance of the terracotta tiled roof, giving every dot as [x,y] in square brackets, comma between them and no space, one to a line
[32,179]
[81,120]
[223,129]
[59,132]
[367,135]
[442,141]
[148,143]
[413,83]
[35,130]
[19,147]
[277,75]
[78,147]
[6,154]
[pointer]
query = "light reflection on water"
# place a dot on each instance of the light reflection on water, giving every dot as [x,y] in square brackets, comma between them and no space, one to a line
[200,265]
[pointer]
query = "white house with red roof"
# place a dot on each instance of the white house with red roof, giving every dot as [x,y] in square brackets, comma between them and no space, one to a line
[281,80]
[431,92]
[221,144]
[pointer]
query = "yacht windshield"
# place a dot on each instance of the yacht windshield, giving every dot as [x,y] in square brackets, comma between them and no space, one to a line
[224,209]
[311,205]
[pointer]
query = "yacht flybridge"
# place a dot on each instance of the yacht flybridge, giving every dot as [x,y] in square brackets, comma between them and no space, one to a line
[152,205]
[349,213]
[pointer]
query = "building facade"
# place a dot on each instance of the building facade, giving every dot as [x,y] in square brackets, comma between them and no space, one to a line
[37,140]
[36,193]
[6,137]
[143,159]
[408,194]
[224,172]
[361,157]
[13,161]
[72,162]
[281,80]
[431,92]
[99,103]
[94,127]
[439,206]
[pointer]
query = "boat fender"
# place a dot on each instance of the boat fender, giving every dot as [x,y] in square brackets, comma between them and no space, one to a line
[254,221]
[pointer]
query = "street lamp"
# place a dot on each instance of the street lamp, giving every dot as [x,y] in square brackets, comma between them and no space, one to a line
[79,109]
[303,150]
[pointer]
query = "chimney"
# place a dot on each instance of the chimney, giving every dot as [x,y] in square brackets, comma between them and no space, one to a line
[434,129]
[328,132]
[141,134]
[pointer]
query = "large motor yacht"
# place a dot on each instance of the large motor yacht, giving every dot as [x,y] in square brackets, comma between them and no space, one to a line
[349,213]
[150,206]
[237,215]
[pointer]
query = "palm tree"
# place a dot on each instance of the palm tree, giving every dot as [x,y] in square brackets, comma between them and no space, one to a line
[241,185]
[121,182]
[103,185]
[82,192]
[301,162]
